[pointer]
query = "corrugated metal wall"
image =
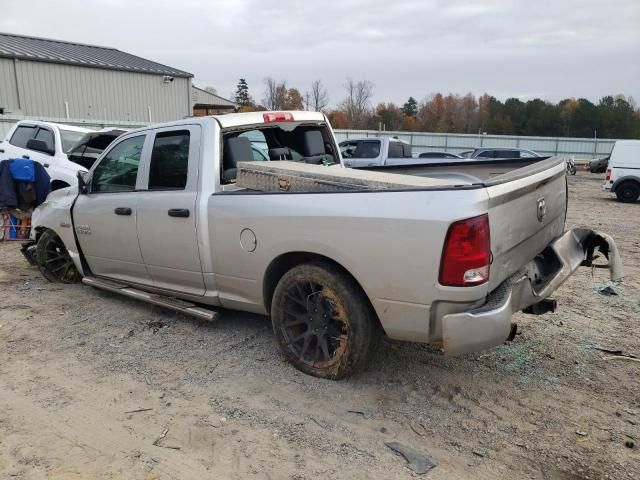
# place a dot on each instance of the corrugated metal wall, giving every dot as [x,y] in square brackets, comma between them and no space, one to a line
[91,93]
[8,90]
[580,148]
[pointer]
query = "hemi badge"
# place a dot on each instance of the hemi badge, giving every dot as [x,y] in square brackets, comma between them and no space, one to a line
[65,224]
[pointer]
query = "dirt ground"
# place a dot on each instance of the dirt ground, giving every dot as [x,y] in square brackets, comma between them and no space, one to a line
[75,362]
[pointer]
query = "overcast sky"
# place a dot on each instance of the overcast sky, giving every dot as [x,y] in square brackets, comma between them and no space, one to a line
[521,48]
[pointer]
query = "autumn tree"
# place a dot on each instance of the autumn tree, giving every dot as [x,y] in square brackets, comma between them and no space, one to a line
[293,100]
[319,97]
[275,94]
[338,119]
[469,113]
[388,116]
[357,103]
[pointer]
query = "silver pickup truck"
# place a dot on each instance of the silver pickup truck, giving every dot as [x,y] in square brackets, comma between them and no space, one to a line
[160,217]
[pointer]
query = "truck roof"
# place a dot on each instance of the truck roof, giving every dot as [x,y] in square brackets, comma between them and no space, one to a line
[64,126]
[251,118]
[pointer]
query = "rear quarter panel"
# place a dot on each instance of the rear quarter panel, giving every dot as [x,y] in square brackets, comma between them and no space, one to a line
[391,242]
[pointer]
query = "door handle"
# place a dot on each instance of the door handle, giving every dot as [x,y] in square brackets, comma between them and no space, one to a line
[179,212]
[1,150]
[122,211]
[46,165]
[26,157]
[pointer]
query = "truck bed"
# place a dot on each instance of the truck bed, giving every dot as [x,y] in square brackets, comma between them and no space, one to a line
[474,171]
[287,176]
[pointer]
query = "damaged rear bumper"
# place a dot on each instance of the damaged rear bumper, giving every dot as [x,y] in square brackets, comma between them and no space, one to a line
[490,324]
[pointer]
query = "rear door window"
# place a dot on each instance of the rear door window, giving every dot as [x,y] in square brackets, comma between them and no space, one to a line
[169,161]
[406,150]
[46,135]
[395,150]
[22,135]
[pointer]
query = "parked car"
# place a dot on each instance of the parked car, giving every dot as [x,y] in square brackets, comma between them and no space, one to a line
[161,218]
[599,165]
[50,144]
[370,152]
[500,152]
[623,172]
[438,155]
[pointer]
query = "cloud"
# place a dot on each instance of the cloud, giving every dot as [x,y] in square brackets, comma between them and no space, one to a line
[555,49]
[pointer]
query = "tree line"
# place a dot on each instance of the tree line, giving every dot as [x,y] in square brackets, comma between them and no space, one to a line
[613,116]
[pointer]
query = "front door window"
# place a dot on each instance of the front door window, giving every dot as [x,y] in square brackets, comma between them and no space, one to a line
[118,170]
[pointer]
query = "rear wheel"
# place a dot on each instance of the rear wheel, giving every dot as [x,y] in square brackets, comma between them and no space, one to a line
[323,323]
[628,192]
[53,259]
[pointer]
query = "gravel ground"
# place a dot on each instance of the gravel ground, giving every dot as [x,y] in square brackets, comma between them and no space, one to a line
[76,363]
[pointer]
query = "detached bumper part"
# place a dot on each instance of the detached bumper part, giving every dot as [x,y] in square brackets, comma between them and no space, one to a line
[490,324]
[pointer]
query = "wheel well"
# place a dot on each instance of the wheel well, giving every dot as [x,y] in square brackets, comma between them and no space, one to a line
[282,264]
[624,180]
[58,184]
[39,232]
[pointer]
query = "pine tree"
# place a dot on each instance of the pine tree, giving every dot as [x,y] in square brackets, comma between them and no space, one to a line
[410,108]
[242,96]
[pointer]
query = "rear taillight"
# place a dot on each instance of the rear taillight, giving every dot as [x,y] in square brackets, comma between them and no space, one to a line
[608,177]
[277,117]
[467,253]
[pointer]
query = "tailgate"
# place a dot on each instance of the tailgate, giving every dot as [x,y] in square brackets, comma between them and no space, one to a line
[527,209]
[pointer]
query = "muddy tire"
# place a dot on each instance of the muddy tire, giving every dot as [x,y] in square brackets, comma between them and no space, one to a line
[628,192]
[323,322]
[53,259]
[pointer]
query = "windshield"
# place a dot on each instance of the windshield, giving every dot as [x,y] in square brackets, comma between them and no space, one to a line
[70,138]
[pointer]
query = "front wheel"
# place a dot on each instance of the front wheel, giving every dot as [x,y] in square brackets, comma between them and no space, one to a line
[323,322]
[628,192]
[572,169]
[53,259]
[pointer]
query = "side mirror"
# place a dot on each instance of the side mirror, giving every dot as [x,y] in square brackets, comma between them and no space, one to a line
[40,146]
[83,187]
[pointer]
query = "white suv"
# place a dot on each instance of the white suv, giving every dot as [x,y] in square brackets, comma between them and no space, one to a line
[623,172]
[46,143]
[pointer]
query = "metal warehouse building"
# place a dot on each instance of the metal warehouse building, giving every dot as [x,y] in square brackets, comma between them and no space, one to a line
[52,79]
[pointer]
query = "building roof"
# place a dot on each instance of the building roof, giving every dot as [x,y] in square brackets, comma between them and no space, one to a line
[205,98]
[80,55]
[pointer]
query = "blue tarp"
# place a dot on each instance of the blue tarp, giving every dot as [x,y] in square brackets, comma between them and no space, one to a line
[22,170]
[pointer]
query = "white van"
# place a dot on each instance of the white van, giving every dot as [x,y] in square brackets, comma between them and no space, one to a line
[623,172]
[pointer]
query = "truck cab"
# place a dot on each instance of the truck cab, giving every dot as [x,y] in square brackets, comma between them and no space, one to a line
[375,152]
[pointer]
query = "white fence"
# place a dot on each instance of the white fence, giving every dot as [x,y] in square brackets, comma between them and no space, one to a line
[580,148]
